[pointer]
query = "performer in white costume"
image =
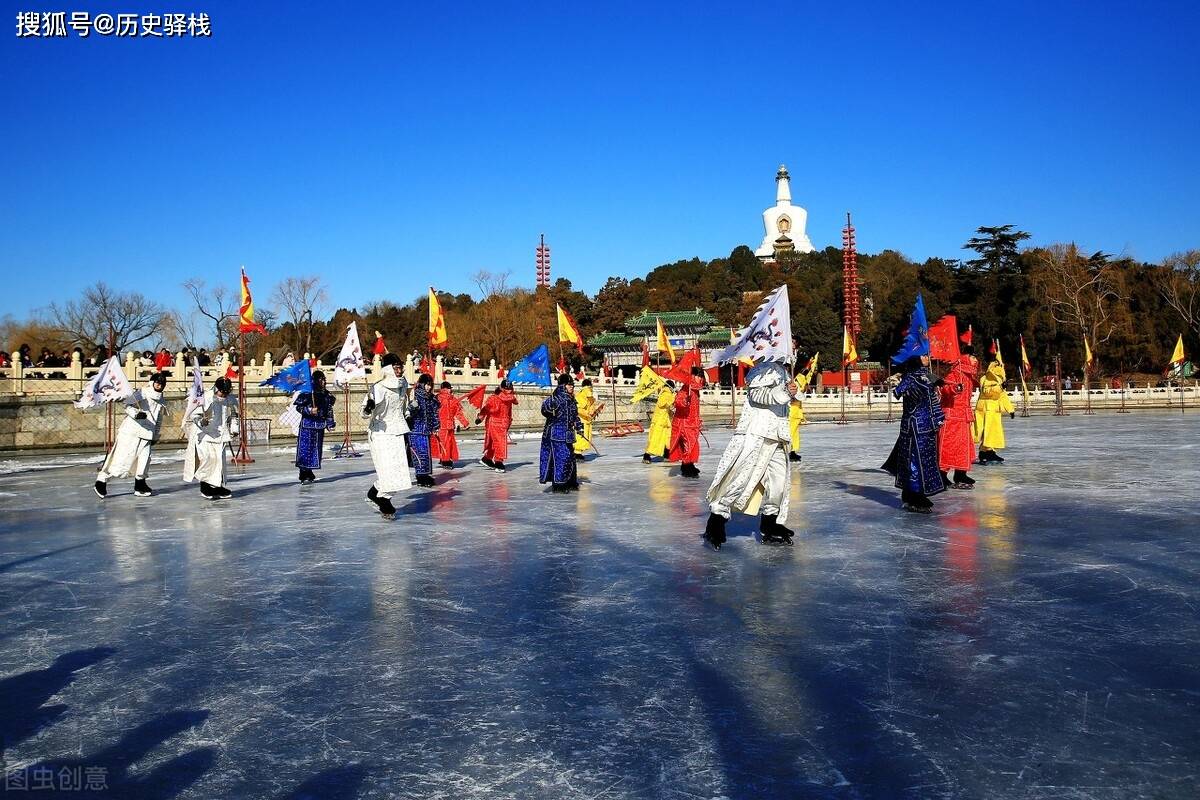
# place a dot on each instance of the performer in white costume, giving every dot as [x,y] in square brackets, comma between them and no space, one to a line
[386,407]
[138,433]
[754,475]
[212,427]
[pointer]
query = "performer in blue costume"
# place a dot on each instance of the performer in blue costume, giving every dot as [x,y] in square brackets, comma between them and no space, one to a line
[558,437]
[424,425]
[316,416]
[914,459]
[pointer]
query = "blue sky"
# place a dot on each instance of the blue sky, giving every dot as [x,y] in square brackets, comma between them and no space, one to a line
[387,146]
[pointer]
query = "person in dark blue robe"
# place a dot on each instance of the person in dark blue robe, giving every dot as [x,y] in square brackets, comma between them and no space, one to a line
[914,458]
[423,426]
[316,417]
[558,437]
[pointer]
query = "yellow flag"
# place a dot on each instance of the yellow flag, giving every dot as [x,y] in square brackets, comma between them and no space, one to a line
[568,331]
[664,344]
[1087,353]
[849,351]
[437,323]
[246,323]
[1177,357]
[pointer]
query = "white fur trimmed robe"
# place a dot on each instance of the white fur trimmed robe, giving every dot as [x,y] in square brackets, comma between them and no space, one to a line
[754,474]
[385,433]
[131,450]
[210,429]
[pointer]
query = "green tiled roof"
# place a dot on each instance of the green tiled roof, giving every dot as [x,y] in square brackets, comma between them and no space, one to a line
[606,339]
[719,336]
[670,319]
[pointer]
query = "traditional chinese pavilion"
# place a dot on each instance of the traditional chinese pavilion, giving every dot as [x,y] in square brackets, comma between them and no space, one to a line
[685,330]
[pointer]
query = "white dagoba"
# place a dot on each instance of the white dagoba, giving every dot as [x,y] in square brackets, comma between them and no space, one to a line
[784,222]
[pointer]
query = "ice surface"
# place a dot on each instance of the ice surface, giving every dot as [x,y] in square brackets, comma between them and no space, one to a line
[1038,637]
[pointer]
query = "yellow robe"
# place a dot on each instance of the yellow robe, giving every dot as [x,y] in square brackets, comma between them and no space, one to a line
[795,420]
[992,403]
[587,413]
[660,424]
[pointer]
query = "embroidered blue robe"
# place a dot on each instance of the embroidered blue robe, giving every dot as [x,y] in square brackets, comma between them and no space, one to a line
[424,424]
[311,438]
[914,459]
[558,437]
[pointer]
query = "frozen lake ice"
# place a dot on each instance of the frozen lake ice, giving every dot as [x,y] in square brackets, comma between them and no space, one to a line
[1038,637]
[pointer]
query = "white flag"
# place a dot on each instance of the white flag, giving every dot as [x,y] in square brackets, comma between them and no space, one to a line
[195,394]
[768,336]
[109,384]
[350,364]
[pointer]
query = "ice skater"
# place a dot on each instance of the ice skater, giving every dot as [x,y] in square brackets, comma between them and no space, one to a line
[424,426]
[685,426]
[213,425]
[450,420]
[914,458]
[557,462]
[992,404]
[496,416]
[956,450]
[316,417]
[658,440]
[385,408]
[589,408]
[754,474]
[139,431]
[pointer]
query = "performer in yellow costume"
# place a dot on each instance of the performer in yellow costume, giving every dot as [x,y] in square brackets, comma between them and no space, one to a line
[993,401]
[588,408]
[659,438]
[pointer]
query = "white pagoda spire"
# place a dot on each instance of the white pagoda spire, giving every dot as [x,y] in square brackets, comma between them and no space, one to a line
[783,222]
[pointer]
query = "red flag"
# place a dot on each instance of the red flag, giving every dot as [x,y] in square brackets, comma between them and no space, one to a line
[943,339]
[645,353]
[604,370]
[995,347]
[562,364]
[426,366]
[713,375]
[967,336]
[380,348]
[741,373]
[681,370]
[231,372]
[475,396]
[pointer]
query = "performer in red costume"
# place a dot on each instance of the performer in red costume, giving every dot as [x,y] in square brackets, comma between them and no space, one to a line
[685,426]
[957,449]
[450,419]
[496,416]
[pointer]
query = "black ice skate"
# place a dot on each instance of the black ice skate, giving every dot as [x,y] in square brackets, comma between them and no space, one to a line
[101,489]
[689,471]
[446,464]
[426,481]
[645,458]
[714,531]
[208,491]
[487,462]
[773,532]
[793,456]
[498,466]
[386,509]
[141,488]
[373,495]
[222,493]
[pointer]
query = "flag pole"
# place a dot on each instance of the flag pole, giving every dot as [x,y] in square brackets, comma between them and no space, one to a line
[243,453]
[1059,411]
[1087,393]
[108,416]
[845,386]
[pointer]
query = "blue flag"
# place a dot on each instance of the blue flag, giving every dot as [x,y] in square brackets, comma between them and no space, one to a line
[296,378]
[916,338]
[533,368]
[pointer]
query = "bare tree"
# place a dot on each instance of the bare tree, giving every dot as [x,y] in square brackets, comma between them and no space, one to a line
[1081,293]
[128,316]
[218,306]
[299,300]
[1179,284]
